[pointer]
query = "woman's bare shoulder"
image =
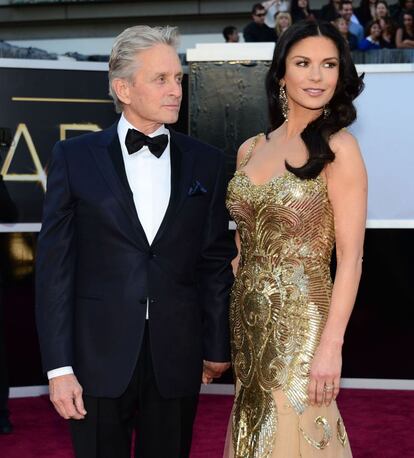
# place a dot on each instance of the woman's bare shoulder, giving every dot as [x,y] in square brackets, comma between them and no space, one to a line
[243,149]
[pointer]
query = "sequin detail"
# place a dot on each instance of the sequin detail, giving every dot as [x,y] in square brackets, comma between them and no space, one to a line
[327,434]
[341,432]
[280,298]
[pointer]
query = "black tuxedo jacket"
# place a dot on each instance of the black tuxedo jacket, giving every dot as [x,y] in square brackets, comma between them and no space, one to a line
[95,268]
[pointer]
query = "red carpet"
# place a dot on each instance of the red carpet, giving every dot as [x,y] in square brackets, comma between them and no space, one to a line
[380,425]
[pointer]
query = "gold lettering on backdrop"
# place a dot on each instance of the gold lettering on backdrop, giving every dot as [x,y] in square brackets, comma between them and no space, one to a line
[88,127]
[39,174]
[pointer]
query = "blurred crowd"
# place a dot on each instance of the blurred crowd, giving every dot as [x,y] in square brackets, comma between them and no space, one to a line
[373,24]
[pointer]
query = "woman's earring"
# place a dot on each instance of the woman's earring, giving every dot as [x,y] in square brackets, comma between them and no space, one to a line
[326,111]
[283,102]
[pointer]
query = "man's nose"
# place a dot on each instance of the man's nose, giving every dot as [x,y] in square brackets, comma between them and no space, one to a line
[176,89]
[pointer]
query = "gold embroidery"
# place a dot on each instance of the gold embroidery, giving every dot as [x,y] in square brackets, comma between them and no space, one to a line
[341,432]
[280,298]
[327,434]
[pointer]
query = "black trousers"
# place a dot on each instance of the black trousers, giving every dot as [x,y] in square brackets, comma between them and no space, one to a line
[163,426]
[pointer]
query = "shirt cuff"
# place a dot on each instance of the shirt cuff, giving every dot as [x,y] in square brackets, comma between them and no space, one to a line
[66,370]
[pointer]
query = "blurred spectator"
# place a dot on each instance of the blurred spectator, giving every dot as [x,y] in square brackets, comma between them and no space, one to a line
[347,12]
[388,29]
[299,10]
[382,10]
[373,35]
[283,22]
[399,8]
[16,52]
[404,37]
[366,12]
[343,28]
[273,7]
[230,34]
[330,11]
[257,30]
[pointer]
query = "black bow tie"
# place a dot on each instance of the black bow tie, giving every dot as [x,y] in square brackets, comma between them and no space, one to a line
[135,140]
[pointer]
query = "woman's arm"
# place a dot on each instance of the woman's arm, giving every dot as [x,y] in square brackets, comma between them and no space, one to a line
[347,191]
[400,43]
[241,154]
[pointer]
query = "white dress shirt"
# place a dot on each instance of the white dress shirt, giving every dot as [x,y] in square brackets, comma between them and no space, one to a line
[149,178]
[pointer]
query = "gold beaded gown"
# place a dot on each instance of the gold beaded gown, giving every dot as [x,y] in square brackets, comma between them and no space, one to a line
[279,307]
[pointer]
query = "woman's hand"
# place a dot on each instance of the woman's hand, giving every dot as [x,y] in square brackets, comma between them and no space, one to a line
[325,373]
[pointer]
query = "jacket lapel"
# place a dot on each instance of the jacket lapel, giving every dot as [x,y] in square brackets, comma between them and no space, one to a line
[108,157]
[182,165]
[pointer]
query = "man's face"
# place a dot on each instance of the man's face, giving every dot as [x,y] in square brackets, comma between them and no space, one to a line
[153,97]
[259,16]
[347,11]
[234,37]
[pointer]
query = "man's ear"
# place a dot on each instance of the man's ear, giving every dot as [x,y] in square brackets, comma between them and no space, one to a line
[122,90]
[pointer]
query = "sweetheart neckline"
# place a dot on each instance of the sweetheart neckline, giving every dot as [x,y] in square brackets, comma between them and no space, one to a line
[276,178]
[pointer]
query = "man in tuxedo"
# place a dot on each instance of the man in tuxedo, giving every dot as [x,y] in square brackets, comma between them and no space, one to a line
[133,265]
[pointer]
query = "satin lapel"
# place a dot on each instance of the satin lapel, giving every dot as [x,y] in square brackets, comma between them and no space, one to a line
[182,164]
[109,160]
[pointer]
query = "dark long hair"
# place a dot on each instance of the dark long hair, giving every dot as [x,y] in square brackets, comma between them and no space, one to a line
[342,111]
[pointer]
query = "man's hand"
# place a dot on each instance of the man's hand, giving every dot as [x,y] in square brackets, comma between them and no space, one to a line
[65,393]
[213,370]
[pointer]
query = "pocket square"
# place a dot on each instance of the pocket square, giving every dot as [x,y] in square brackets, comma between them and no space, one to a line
[196,189]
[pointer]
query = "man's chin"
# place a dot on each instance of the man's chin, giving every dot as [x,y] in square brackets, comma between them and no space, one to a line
[170,119]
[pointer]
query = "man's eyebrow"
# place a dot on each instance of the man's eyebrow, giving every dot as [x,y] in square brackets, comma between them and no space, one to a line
[168,73]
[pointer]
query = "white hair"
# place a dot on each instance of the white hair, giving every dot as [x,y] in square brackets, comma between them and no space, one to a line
[123,63]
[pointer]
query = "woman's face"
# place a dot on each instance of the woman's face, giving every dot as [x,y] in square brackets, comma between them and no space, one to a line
[342,26]
[409,4]
[375,31]
[408,21]
[381,10]
[312,71]
[302,3]
[283,22]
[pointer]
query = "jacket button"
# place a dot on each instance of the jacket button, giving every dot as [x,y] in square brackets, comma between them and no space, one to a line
[152,301]
[143,300]
[152,255]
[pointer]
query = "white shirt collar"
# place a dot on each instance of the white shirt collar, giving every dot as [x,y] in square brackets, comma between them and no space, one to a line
[124,125]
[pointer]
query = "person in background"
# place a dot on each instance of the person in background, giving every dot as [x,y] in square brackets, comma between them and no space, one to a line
[283,22]
[300,9]
[273,7]
[373,36]
[397,9]
[8,214]
[343,28]
[388,29]
[404,37]
[257,30]
[230,34]
[346,11]
[366,11]
[330,11]
[382,10]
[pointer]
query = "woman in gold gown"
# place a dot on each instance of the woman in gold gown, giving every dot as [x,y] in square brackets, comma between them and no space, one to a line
[297,191]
